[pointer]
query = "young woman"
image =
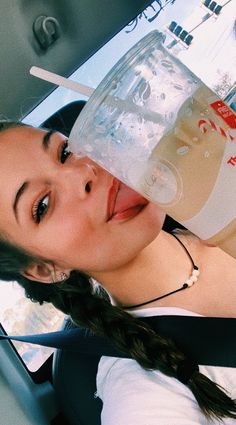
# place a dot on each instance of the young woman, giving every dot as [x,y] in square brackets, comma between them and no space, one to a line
[66,223]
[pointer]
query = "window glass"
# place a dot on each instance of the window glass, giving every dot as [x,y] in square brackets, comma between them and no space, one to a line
[19,316]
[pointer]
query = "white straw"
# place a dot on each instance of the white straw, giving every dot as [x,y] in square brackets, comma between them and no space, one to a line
[126,106]
[61,81]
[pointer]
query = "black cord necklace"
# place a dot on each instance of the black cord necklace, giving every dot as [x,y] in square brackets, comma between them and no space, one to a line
[187,284]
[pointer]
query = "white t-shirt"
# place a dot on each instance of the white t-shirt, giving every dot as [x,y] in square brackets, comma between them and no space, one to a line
[133,396]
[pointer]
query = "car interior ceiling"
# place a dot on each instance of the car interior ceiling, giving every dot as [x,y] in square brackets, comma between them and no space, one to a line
[83,27]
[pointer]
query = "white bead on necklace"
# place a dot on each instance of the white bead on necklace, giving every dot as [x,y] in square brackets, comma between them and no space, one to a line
[193,278]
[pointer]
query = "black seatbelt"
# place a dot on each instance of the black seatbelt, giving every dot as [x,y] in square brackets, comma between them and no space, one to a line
[209,341]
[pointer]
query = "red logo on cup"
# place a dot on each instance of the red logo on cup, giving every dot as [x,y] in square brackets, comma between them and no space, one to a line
[225,113]
[203,124]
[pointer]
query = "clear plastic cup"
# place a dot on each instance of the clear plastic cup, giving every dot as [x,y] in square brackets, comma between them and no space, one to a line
[155,126]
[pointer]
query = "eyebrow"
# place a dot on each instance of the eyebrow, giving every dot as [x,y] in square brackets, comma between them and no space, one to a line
[47,139]
[45,145]
[19,193]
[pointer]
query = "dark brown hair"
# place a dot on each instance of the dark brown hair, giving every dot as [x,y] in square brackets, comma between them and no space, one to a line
[89,306]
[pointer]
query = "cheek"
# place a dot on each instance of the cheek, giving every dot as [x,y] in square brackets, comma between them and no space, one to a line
[74,230]
[65,237]
[82,245]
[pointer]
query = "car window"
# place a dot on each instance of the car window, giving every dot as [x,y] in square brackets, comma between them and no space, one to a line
[19,316]
[210,54]
[214,39]
[231,98]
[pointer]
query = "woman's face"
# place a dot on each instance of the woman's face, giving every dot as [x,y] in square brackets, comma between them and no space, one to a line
[60,207]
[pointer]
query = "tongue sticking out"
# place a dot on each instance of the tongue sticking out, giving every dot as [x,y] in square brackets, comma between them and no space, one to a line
[128,198]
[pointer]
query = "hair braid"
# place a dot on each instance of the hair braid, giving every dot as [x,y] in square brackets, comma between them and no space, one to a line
[128,333]
[151,350]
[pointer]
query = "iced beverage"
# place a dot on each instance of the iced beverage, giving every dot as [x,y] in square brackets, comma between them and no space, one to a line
[197,158]
[155,126]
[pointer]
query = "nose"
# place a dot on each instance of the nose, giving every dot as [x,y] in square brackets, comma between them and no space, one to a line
[81,176]
[86,179]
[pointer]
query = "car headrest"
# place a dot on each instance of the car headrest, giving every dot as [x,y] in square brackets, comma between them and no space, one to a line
[63,120]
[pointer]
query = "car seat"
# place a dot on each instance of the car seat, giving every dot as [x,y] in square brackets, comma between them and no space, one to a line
[63,120]
[74,381]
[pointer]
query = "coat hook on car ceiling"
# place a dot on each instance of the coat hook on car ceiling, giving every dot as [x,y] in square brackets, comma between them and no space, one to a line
[46,30]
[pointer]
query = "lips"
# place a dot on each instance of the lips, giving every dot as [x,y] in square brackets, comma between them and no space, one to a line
[123,202]
[112,194]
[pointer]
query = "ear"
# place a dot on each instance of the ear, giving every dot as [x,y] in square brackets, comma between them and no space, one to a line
[40,272]
[45,273]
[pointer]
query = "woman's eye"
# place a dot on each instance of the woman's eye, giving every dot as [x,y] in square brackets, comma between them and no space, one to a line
[65,152]
[40,209]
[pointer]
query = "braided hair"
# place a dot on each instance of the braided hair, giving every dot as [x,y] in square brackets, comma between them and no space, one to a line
[89,306]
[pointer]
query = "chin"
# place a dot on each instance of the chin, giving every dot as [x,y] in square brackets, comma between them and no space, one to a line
[149,223]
